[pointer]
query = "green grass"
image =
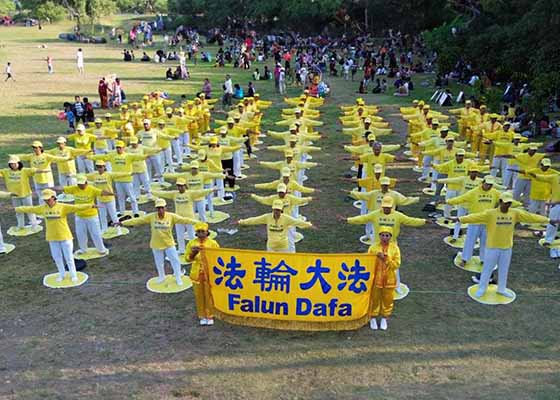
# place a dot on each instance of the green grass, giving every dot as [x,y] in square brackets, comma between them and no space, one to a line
[111,338]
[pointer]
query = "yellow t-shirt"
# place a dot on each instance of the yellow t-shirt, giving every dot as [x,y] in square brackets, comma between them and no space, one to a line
[394,219]
[56,225]
[277,229]
[501,226]
[17,181]
[84,196]
[161,228]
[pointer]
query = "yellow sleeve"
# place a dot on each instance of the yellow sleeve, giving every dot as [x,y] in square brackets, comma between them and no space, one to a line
[478,218]
[146,219]
[411,221]
[262,219]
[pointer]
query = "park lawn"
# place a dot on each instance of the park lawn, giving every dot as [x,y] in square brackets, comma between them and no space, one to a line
[111,338]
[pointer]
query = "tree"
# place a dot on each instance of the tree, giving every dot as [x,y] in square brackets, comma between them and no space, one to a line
[6,7]
[50,12]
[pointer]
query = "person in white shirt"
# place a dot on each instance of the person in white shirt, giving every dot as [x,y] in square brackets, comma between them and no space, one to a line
[228,91]
[9,72]
[80,61]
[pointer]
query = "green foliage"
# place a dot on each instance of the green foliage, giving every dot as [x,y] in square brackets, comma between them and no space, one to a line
[517,40]
[51,12]
[7,7]
[142,6]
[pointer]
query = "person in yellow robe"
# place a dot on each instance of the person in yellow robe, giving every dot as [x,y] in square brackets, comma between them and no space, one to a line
[387,262]
[199,275]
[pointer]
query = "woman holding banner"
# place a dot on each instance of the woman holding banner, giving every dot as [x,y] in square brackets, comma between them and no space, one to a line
[387,262]
[198,275]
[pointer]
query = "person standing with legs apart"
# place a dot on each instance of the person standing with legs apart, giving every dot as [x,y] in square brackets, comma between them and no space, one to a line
[58,233]
[500,225]
[387,262]
[162,243]
[88,220]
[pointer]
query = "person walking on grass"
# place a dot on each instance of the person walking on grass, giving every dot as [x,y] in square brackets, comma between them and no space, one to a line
[9,73]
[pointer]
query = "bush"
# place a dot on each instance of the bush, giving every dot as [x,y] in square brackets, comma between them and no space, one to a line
[50,11]
[6,7]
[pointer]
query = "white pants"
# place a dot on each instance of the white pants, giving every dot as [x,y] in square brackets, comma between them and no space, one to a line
[185,140]
[220,186]
[173,256]
[166,159]
[537,207]
[447,207]
[551,230]
[124,189]
[62,251]
[521,186]
[2,245]
[107,209]
[84,164]
[66,179]
[152,162]
[176,144]
[200,207]
[510,177]
[426,166]
[39,187]
[292,239]
[493,257]
[141,179]
[474,231]
[210,196]
[20,217]
[237,162]
[91,225]
[461,211]
[180,229]
[499,164]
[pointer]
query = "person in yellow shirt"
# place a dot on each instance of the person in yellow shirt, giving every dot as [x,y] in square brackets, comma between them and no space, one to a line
[197,180]
[540,189]
[481,198]
[387,216]
[66,169]
[87,221]
[41,161]
[387,263]
[148,137]
[290,203]
[199,275]
[140,178]
[374,198]
[554,211]
[277,224]
[166,135]
[107,207]
[509,151]
[58,233]
[184,207]
[103,136]
[4,247]
[498,138]
[16,178]
[461,185]
[162,243]
[289,162]
[377,156]
[286,178]
[122,163]
[83,141]
[500,226]
[526,162]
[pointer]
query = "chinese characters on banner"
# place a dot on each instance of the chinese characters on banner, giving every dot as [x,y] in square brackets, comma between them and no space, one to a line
[292,287]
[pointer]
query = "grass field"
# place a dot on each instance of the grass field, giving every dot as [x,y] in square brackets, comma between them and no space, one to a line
[112,339]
